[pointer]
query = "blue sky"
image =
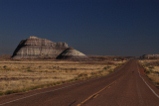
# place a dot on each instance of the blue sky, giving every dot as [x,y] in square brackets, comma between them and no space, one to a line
[95,27]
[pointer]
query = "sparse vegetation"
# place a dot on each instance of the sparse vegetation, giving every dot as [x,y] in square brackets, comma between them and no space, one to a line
[21,76]
[152,70]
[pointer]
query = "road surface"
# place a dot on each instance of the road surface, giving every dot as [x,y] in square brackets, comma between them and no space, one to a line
[127,86]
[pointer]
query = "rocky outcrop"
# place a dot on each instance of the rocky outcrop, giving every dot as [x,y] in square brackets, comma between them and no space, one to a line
[150,56]
[72,54]
[35,47]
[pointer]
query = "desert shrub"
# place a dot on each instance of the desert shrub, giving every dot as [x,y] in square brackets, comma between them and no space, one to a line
[106,67]
[29,70]
[110,71]
[5,67]
[148,71]
[93,73]
[82,75]
[11,91]
[151,67]
[1,93]
[156,73]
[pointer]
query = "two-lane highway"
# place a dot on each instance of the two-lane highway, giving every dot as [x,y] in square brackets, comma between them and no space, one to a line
[127,86]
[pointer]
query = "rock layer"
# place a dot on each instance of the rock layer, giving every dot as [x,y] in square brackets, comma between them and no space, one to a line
[35,47]
[72,54]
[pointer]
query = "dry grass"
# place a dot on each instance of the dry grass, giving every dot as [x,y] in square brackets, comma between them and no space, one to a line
[152,70]
[20,76]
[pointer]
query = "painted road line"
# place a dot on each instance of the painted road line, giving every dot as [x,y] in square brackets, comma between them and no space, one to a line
[147,84]
[95,94]
[44,92]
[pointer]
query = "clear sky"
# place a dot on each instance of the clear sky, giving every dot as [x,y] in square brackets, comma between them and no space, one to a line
[101,27]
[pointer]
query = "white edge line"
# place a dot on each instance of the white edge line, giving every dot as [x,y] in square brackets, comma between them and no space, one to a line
[147,84]
[42,93]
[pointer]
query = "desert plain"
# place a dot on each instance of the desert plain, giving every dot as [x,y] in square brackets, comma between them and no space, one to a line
[22,76]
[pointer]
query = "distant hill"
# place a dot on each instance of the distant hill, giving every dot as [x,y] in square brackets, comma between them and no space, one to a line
[72,54]
[35,47]
[150,56]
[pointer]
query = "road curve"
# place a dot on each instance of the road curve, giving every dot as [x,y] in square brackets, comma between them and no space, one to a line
[127,86]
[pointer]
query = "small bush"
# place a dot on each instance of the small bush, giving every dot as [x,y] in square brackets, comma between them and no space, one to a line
[106,67]
[110,71]
[151,67]
[11,91]
[4,66]
[1,93]
[147,71]
[29,70]
[82,75]
[93,73]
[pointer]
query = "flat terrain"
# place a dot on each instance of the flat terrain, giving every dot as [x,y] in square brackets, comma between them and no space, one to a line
[127,86]
[20,76]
